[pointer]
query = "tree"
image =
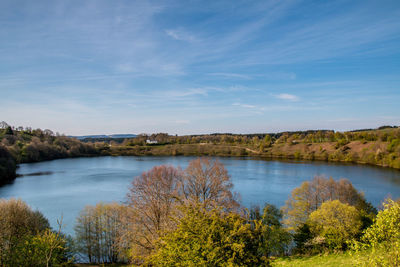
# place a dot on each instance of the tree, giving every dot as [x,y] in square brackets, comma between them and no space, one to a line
[8,166]
[275,239]
[383,237]
[151,198]
[17,224]
[9,131]
[210,238]
[155,196]
[98,232]
[336,223]
[311,194]
[208,182]
[46,248]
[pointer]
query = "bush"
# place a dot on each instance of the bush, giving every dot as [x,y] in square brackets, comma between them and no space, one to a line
[383,237]
[335,223]
[210,238]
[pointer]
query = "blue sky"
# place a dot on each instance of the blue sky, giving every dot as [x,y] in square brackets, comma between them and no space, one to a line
[187,67]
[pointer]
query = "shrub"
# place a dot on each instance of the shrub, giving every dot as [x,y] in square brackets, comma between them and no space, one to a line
[210,238]
[383,237]
[335,223]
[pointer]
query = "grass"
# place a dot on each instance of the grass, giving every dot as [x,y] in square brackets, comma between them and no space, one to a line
[329,260]
[100,265]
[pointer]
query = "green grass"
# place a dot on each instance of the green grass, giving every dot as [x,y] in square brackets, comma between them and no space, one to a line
[330,260]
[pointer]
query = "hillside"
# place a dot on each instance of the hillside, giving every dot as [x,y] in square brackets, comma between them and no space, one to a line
[379,147]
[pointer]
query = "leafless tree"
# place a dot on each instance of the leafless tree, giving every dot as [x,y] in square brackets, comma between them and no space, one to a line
[208,182]
[151,198]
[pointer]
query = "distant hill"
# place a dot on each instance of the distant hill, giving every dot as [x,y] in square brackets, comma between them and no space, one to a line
[103,136]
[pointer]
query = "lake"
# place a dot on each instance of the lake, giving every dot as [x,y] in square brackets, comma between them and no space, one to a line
[63,187]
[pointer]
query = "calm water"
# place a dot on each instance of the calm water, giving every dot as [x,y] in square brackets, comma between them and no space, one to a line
[66,186]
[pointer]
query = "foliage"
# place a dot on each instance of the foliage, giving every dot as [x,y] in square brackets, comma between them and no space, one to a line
[46,248]
[335,223]
[25,237]
[301,237]
[274,237]
[210,238]
[7,166]
[383,237]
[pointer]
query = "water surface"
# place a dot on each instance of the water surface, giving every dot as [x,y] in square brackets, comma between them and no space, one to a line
[63,187]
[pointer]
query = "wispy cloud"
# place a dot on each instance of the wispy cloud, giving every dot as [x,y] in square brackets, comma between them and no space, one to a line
[181,35]
[287,97]
[182,93]
[244,105]
[230,75]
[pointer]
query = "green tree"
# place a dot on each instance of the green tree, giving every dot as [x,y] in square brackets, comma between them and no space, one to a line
[7,166]
[335,223]
[25,236]
[210,238]
[383,237]
[46,248]
[275,239]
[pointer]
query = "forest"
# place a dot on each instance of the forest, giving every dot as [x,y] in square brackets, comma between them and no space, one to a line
[191,217]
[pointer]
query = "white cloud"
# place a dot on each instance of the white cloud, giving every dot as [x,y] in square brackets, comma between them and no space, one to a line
[184,93]
[243,105]
[180,35]
[287,97]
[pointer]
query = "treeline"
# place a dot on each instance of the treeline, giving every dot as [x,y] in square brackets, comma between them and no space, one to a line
[191,217]
[384,134]
[24,145]
[376,147]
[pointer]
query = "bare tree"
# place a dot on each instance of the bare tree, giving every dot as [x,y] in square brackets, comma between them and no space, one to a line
[151,198]
[208,182]
[98,232]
